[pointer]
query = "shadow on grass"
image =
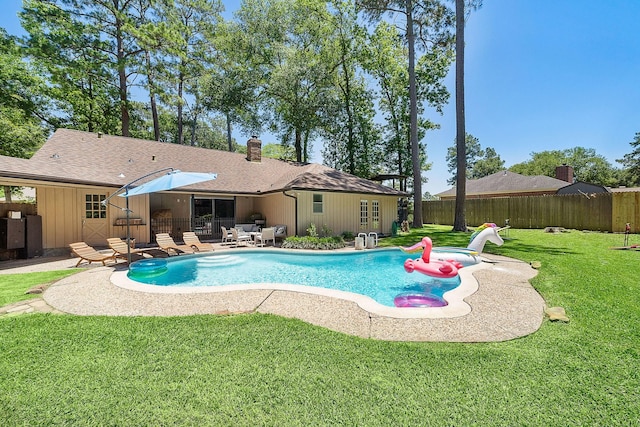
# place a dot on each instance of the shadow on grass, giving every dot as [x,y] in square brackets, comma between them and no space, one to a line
[443,236]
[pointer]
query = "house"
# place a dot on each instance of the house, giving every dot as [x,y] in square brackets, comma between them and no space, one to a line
[510,184]
[75,170]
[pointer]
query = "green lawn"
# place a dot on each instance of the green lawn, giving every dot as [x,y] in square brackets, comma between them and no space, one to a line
[266,370]
[14,286]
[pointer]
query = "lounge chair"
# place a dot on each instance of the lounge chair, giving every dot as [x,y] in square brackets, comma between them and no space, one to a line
[190,238]
[167,244]
[119,246]
[265,235]
[88,253]
[237,237]
[226,235]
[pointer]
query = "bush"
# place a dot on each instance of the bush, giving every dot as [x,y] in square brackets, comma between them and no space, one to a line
[347,235]
[309,242]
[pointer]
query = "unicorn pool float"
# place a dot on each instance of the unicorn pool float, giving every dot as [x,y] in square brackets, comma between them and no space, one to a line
[487,232]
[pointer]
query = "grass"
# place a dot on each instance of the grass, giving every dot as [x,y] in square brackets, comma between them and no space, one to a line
[266,370]
[14,286]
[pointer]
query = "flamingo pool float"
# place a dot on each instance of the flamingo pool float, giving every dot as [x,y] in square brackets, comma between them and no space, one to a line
[430,267]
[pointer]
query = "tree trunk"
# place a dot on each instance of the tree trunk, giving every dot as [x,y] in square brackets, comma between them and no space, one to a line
[298,145]
[228,117]
[413,117]
[180,121]
[152,97]
[7,194]
[460,222]
[122,79]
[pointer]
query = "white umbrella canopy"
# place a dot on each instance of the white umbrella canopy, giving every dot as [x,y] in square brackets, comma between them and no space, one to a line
[168,181]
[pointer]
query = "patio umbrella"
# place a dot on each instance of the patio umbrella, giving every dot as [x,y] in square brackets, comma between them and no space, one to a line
[168,181]
[172,179]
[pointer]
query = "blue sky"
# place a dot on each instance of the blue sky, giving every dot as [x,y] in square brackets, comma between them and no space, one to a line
[540,75]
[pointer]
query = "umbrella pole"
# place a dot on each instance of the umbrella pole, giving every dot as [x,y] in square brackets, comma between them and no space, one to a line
[128,235]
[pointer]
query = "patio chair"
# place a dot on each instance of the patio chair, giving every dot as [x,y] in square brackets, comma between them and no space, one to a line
[88,253]
[167,244]
[237,237]
[190,238]
[281,231]
[226,235]
[265,235]
[119,246]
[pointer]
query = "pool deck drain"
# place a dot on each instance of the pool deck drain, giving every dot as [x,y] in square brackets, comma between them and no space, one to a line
[505,305]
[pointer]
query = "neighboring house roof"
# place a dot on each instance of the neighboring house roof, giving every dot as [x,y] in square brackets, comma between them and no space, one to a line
[78,157]
[507,182]
[580,187]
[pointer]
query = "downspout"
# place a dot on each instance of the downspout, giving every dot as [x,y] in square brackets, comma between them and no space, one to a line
[296,211]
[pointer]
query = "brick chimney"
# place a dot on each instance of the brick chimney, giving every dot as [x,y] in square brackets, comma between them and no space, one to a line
[254,149]
[565,173]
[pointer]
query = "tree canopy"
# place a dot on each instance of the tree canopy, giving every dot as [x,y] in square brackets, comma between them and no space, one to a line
[630,175]
[588,166]
[480,162]
[352,76]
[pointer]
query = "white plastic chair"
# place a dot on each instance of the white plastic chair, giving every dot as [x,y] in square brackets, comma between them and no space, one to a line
[236,237]
[226,235]
[265,235]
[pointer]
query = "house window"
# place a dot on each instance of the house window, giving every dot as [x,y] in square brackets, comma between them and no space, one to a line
[317,204]
[364,214]
[92,206]
[375,213]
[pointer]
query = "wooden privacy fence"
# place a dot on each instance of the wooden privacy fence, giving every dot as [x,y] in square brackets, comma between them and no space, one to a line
[596,212]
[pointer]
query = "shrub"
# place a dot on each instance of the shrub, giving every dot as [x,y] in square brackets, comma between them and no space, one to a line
[312,231]
[347,235]
[309,242]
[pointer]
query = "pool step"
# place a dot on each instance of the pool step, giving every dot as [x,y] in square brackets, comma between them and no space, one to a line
[219,260]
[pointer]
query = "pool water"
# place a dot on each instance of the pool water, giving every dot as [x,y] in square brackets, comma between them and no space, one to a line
[378,274]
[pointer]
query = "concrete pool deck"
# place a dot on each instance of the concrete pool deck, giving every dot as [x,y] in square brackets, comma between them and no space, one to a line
[505,306]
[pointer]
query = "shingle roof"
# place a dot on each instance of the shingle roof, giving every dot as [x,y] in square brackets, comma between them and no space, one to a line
[72,156]
[508,182]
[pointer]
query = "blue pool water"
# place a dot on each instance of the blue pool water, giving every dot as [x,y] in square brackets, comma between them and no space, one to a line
[377,274]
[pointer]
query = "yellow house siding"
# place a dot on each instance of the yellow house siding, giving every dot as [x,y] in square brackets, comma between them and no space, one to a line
[139,208]
[244,209]
[277,209]
[341,212]
[61,223]
[62,215]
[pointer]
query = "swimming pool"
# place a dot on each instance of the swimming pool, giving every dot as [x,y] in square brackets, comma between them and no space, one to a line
[378,274]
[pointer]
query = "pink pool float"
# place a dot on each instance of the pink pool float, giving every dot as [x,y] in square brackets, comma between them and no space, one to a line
[418,300]
[443,269]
